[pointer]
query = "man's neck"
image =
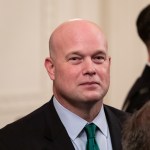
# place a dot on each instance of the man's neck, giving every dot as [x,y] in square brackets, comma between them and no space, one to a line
[87,111]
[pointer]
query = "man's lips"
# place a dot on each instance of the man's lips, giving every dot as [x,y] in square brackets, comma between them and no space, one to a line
[90,83]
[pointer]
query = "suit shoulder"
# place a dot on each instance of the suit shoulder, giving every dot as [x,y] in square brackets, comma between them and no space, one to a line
[119,114]
[28,123]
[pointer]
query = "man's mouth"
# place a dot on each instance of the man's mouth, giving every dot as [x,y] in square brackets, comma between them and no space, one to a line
[90,83]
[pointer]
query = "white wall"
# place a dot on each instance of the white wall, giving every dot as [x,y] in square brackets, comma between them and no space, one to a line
[25,26]
[129,54]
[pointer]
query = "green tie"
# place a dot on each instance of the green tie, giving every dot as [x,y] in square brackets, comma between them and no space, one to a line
[91,141]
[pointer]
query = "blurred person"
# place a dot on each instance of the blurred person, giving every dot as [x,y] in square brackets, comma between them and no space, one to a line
[75,117]
[136,131]
[140,91]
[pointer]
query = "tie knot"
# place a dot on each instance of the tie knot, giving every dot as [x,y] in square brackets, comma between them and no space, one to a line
[90,130]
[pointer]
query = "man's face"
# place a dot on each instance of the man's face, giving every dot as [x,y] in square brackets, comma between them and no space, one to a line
[81,67]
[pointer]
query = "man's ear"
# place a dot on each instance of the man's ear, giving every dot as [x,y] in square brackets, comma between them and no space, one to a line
[109,60]
[50,67]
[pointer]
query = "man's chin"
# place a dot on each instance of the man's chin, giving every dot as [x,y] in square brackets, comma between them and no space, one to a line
[92,98]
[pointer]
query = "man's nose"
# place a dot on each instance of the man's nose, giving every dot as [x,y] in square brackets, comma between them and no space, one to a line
[88,67]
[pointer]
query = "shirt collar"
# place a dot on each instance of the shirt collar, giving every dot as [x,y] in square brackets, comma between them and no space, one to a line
[75,124]
[101,122]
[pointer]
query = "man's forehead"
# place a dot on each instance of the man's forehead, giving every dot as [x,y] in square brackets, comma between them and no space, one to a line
[76,31]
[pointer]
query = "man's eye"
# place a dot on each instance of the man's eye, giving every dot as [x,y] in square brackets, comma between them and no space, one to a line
[74,58]
[99,59]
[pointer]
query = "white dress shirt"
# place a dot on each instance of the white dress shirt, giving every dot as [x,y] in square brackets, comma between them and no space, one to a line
[75,125]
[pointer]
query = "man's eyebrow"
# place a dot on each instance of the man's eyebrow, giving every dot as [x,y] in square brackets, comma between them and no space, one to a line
[80,53]
[74,53]
[100,52]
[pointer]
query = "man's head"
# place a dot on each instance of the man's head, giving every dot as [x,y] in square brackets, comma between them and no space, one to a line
[143,25]
[79,64]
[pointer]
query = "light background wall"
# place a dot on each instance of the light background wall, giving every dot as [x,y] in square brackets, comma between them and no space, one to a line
[25,26]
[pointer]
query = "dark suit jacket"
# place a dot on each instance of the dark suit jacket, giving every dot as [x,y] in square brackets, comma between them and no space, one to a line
[139,93]
[43,130]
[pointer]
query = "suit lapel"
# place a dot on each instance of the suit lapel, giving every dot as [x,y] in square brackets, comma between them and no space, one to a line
[55,132]
[58,137]
[114,128]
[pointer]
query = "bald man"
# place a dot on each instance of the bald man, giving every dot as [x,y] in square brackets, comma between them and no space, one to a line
[79,66]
